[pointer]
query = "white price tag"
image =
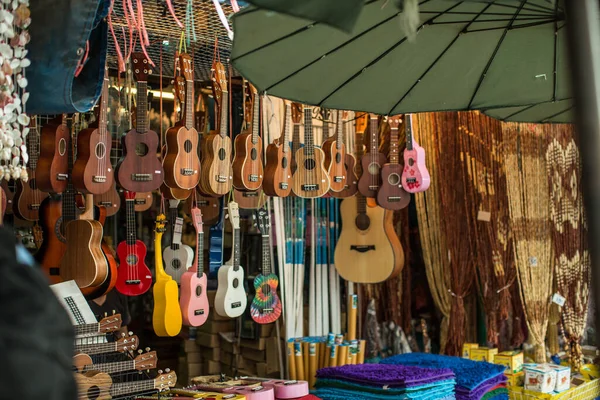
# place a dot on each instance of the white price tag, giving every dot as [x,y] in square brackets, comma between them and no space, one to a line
[558,299]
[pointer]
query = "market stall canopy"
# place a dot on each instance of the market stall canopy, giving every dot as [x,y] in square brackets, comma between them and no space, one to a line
[467,55]
[560,111]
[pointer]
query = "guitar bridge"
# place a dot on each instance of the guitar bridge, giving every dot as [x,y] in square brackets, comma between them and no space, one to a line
[237,304]
[98,179]
[221,178]
[338,179]
[394,199]
[283,185]
[199,312]
[411,180]
[253,178]
[374,187]
[249,194]
[140,201]
[62,177]
[105,204]
[363,248]
[132,282]
[187,171]
[311,187]
[141,177]
[35,206]
[267,310]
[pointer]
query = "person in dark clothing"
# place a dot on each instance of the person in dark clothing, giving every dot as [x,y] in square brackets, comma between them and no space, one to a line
[111,302]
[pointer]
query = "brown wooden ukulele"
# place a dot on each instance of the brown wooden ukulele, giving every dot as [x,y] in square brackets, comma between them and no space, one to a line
[140,170]
[310,179]
[248,170]
[92,171]
[217,175]
[351,186]
[278,169]
[143,201]
[52,167]
[181,162]
[110,200]
[27,199]
[370,180]
[8,187]
[250,200]
[335,157]
[391,195]
[297,121]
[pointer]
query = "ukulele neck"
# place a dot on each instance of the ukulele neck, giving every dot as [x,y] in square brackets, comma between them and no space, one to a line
[394,139]
[69,210]
[373,139]
[237,253]
[130,221]
[309,146]
[409,133]
[286,128]
[223,130]
[142,107]
[199,253]
[189,104]
[339,131]
[266,256]
[255,119]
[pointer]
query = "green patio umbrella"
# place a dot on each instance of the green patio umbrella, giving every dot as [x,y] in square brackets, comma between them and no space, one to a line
[466,55]
[560,111]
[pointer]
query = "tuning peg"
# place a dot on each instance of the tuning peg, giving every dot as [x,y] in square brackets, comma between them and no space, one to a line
[167,370]
[130,333]
[114,312]
[140,351]
[122,334]
[160,371]
[147,349]
[105,314]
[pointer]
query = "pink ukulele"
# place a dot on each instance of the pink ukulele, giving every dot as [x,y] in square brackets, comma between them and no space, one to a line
[288,389]
[415,177]
[252,392]
[194,301]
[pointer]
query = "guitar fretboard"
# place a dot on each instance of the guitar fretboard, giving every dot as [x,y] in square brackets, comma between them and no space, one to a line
[255,118]
[112,367]
[309,144]
[189,104]
[237,253]
[200,253]
[266,255]
[409,134]
[142,107]
[286,128]
[130,221]
[374,139]
[223,129]
[339,139]
[120,389]
[394,139]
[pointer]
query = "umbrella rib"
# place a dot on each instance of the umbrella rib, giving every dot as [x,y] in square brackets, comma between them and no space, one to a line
[538,7]
[557,114]
[382,55]
[513,28]
[519,111]
[489,63]
[437,59]
[555,54]
[545,21]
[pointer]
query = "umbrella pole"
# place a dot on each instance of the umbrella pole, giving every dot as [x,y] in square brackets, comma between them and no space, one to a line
[584,41]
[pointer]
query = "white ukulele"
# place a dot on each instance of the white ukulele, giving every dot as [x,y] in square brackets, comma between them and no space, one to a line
[231,298]
[177,257]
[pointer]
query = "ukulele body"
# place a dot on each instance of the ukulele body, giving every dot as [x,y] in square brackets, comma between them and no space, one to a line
[54,245]
[250,200]
[175,193]
[112,273]
[335,164]
[10,195]
[110,200]
[53,167]
[217,177]
[392,195]
[278,174]
[370,180]
[133,268]
[27,199]
[248,172]
[143,201]
[357,248]
[83,260]
[288,389]
[415,177]
[351,186]
[94,385]
[208,205]
[181,163]
[140,172]
[265,298]
[310,179]
[177,260]
[194,300]
[166,315]
[92,171]
[231,299]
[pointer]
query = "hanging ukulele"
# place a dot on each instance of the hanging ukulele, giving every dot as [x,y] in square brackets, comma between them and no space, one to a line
[248,160]
[181,163]
[392,195]
[52,168]
[370,180]
[351,186]
[415,177]
[92,171]
[335,157]
[266,306]
[278,173]
[178,257]
[194,301]
[140,170]
[166,315]
[134,278]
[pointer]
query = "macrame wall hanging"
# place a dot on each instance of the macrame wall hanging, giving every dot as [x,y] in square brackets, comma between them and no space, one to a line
[14,36]
[569,231]
[480,138]
[528,195]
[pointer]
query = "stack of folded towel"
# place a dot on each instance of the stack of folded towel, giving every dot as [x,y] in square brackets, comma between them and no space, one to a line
[475,380]
[391,382]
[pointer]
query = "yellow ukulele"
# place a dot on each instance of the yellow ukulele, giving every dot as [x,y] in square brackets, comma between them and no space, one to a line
[166,316]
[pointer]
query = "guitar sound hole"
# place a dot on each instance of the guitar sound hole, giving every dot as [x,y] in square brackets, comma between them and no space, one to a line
[363,222]
[198,290]
[284,162]
[266,289]
[338,158]
[411,162]
[222,154]
[100,150]
[32,184]
[93,392]
[187,146]
[62,147]
[141,149]
[374,169]
[176,264]
[253,154]
[132,259]
[236,282]
[309,164]
[394,179]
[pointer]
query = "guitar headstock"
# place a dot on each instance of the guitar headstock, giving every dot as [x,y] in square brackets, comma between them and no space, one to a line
[263,220]
[110,324]
[179,88]
[234,214]
[394,121]
[219,75]
[297,113]
[362,120]
[127,343]
[187,66]
[325,114]
[146,361]
[165,380]
[159,227]
[129,195]
[197,218]
[141,66]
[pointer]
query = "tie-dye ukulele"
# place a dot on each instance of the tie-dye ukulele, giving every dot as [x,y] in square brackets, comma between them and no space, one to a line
[266,306]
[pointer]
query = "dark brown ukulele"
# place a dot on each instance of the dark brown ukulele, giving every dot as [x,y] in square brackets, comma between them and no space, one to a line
[391,195]
[335,156]
[371,162]
[52,166]
[140,170]
[351,186]
[278,169]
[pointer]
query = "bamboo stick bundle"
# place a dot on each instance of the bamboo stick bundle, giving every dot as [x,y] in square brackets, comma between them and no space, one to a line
[530,224]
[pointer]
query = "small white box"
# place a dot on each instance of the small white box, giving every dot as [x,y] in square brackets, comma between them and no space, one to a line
[539,378]
[563,377]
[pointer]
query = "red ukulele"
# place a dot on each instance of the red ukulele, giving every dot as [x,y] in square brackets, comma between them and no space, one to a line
[134,278]
[392,195]
[415,177]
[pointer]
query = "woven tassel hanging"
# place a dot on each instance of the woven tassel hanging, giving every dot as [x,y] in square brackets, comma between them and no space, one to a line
[527,184]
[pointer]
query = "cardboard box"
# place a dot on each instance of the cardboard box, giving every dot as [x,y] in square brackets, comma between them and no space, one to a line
[512,360]
[194,369]
[483,354]
[539,378]
[467,347]
[516,380]
[563,377]
[212,367]
[217,326]
[211,353]
[190,346]
[207,340]
[195,357]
